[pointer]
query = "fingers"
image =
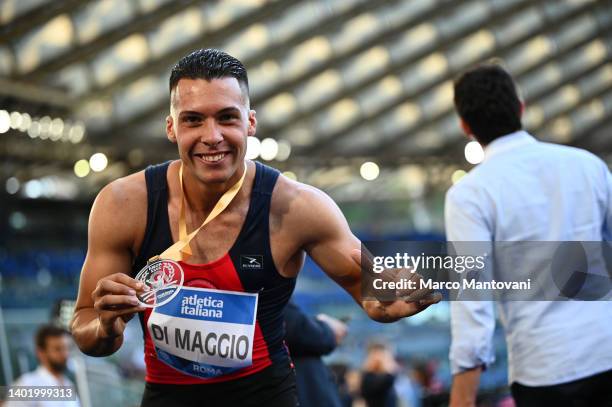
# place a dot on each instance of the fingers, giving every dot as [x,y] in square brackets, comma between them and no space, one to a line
[414,307]
[115,301]
[422,305]
[391,305]
[112,323]
[112,302]
[117,284]
[432,298]
[412,291]
[422,296]
[111,287]
[108,318]
[126,280]
[116,292]
[130,311]
[392,311]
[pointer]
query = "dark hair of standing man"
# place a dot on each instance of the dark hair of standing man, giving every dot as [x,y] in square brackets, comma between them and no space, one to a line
[487,100]
[209,64]
[45,332]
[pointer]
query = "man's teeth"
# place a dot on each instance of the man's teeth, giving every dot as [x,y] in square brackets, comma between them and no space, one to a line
[213,158]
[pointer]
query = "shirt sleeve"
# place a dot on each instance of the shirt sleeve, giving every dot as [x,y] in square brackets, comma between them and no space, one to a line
[472,322]
[607,229]
[306,335]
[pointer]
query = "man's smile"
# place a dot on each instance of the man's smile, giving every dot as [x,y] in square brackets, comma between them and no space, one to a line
[212,158]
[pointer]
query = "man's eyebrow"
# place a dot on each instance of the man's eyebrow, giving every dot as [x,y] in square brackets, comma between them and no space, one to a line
[190,113]
[230,109]
[226,110]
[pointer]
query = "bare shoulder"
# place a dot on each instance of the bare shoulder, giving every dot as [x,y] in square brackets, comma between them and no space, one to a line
[298,199]
[127,193]
[288,191]
[120,210]
[304,210]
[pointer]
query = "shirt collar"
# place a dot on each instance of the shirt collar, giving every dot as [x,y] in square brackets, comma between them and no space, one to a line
[44,372]
[508,142]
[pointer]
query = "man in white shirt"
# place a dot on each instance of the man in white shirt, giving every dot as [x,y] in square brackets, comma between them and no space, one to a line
[52,347]
[559,353]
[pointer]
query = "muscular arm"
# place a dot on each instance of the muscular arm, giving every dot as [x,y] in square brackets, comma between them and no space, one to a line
[106,294]
[323,232]
[329,240]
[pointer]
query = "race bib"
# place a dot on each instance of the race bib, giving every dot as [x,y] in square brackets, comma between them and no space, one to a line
[204,332]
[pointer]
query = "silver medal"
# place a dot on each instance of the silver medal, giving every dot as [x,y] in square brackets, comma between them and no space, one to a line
[164,278]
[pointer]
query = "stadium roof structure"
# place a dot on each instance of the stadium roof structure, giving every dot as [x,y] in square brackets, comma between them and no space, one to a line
[340,82]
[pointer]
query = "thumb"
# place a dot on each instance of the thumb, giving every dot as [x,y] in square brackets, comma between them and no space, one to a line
[432,298]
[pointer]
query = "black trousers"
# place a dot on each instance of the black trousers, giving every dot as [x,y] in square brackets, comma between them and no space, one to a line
[273,387]
[592,391]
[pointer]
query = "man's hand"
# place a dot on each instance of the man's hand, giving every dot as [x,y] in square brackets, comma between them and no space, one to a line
[338,327]
[116,303]
[410,302]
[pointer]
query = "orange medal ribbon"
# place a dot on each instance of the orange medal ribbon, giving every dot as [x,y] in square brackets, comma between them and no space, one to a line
[181,249]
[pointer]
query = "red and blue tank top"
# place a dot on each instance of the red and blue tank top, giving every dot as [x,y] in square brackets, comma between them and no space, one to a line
[228,320]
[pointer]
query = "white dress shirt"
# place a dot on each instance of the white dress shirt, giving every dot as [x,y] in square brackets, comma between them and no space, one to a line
[526,190]
[43,377]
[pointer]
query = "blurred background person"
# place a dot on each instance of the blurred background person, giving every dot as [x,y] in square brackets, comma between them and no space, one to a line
[340,371]
[409,393]
[52,350]
[418,384]
[308,339]
[380,370]
[559,352]
[353,385]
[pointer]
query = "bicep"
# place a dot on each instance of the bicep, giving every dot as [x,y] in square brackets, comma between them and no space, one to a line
[330,242]
[108,247]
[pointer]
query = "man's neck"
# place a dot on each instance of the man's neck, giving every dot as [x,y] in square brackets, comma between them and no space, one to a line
[202,197]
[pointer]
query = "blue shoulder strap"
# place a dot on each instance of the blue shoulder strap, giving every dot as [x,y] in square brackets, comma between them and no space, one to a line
[157,234]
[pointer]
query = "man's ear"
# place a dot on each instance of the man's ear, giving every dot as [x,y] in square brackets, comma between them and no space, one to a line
[170,129]
[466,129]
[41,355]
[522,107]
[252,127]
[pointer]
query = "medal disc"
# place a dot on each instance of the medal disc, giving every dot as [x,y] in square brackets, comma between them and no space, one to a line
[164,278]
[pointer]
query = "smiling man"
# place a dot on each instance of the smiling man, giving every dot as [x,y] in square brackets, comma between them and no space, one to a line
[245,260]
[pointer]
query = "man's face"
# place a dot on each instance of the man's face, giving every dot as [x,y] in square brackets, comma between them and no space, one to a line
[210,122]
[55,354]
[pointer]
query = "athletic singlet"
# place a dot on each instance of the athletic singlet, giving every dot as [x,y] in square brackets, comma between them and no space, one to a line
[248,267]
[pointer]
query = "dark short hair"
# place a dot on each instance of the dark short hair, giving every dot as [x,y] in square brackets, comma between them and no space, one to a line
[47,331]
[209,64]
[487,100]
